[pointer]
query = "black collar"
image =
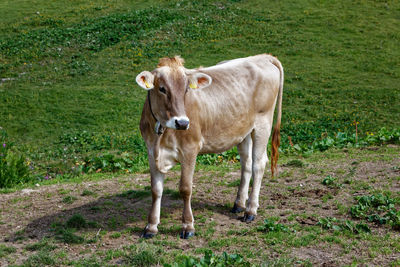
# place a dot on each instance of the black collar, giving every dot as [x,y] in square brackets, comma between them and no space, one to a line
[159,129]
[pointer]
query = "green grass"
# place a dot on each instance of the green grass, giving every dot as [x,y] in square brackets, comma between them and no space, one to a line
[41,258]
[43,245]
[87,192]
[6,250]
[136,194]
[74,65]
[143,255]
[295,163]
[76,221]
[69,199]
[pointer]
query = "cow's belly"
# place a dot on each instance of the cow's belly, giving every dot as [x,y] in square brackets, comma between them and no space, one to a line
[218,146]
[224,139]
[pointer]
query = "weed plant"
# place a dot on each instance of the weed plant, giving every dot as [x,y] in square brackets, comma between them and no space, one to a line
[14,167]
[343,225]
[331,182]
[271,226]
[377,208]
[210,259]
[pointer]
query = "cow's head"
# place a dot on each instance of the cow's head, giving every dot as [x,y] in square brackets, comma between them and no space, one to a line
[168,84]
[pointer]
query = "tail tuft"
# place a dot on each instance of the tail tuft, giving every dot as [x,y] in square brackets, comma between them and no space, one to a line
[276,139]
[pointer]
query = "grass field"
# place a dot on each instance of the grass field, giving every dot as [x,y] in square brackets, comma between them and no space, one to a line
[74,66]
[70,109]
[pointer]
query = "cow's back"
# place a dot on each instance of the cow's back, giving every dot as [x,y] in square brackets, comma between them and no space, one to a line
[242,90]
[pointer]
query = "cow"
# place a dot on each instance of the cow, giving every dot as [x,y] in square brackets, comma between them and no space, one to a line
[209,110]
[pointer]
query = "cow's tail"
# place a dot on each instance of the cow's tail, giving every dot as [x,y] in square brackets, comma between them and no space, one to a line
[276,135]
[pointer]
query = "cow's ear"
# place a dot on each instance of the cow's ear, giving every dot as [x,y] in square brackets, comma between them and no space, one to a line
[199,80]
[145,79]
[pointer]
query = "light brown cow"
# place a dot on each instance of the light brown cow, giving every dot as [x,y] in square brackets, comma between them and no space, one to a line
[210,110]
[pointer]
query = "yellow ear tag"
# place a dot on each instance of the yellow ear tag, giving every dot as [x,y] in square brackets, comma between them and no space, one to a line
[192,85]
[147,84]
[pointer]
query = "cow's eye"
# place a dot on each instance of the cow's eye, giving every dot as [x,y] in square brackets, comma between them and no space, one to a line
[162,90]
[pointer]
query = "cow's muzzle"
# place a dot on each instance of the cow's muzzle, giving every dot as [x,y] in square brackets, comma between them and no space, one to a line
[182,124]
[178,123]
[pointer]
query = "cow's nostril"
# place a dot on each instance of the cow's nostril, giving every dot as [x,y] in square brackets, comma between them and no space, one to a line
[181,124]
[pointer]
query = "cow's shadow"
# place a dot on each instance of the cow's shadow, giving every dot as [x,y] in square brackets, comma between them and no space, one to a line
[125,211]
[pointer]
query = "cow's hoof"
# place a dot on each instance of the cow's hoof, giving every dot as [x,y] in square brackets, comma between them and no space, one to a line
[186,234]
[147,235]
[248,218]
[236,209]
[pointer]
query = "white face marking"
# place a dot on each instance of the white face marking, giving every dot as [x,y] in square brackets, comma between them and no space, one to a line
[171,123]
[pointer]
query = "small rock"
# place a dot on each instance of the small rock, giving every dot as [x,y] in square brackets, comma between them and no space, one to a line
[27,191]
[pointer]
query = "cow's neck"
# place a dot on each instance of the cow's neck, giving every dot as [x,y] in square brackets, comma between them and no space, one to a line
[159,129]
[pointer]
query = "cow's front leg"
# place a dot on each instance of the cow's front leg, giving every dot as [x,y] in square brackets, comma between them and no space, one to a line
[157,186]
[185,189]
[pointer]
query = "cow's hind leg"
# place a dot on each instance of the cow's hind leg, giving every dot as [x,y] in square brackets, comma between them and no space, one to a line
[157,186]
[185,189]
[260,136]
[244,149]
